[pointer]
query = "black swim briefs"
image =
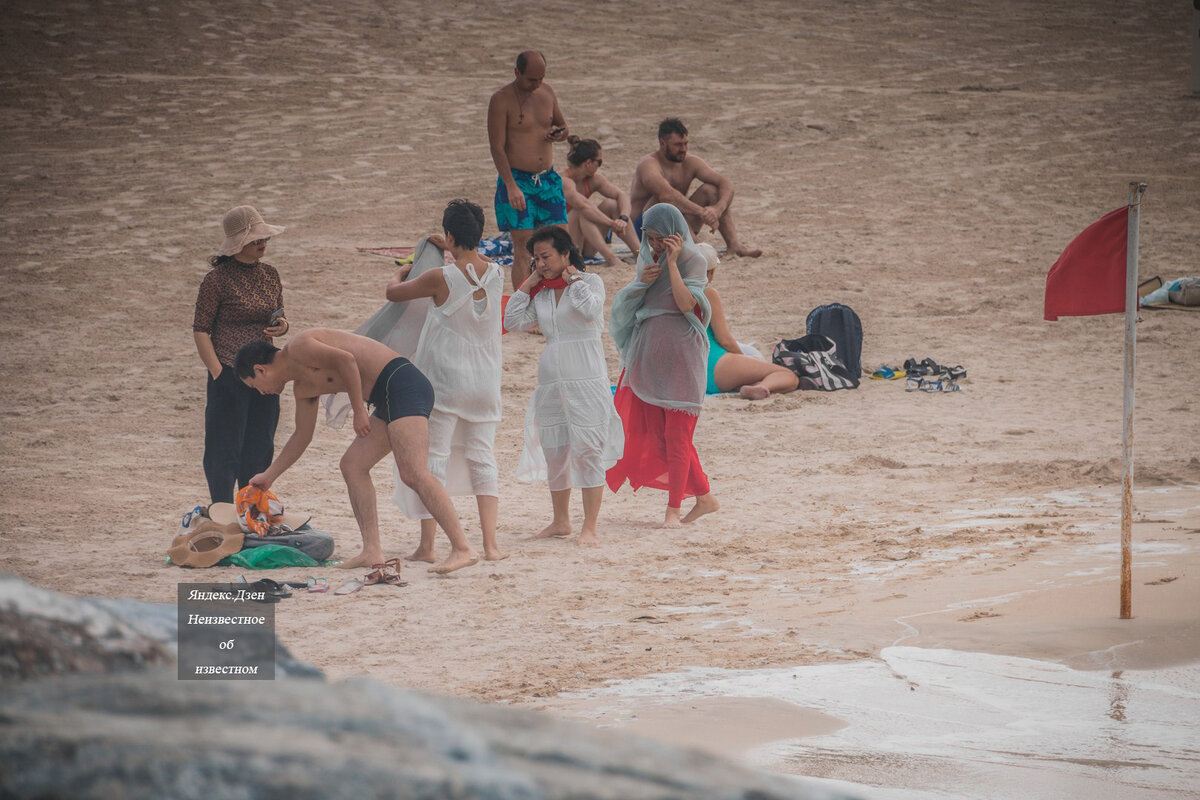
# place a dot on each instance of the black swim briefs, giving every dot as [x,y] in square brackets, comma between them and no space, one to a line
[401,390]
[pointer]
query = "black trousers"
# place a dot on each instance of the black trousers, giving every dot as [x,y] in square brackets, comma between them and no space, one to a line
[239,434]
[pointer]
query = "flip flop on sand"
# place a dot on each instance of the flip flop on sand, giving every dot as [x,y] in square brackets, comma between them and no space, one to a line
[273,590]
[317,585]
[349,586]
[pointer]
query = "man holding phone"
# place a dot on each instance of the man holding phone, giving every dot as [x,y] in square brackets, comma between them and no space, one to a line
[523,122]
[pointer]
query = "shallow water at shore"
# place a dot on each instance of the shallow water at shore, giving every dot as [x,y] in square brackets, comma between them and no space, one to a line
[926,723]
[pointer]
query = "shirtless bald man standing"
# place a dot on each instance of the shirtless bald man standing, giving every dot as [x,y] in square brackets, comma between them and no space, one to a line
[666,175]
[323,361]
[523,122]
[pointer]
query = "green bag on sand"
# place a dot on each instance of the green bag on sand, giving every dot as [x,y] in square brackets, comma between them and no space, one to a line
[269,556]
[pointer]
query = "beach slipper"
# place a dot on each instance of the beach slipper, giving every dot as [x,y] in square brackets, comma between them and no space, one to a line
[317,585]
[271,591]
[349,586]
[388,572]
[270,588]
[883,374]
[926,366]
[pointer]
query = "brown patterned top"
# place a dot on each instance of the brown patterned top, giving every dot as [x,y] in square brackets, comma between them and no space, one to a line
[235,303]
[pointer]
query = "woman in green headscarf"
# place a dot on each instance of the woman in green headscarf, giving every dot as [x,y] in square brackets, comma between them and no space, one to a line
[658,323]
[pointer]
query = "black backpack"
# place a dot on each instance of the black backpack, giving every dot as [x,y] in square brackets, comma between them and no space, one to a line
[814,360]
[842,325]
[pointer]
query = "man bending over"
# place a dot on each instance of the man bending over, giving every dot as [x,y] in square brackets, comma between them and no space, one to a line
[323,361]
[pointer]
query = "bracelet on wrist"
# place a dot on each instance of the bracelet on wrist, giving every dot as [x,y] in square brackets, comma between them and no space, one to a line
[624,218]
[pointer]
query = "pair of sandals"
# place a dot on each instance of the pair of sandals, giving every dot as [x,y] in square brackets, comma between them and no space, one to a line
[927,375]
[387,572]
[939,384]
[927,366]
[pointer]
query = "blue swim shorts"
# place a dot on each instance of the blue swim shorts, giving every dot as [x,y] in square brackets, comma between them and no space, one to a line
[544,204]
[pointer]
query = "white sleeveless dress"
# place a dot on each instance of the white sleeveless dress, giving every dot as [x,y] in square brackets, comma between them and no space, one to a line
[460,352]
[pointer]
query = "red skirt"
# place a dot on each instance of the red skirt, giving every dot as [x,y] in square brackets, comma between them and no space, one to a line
[658,450]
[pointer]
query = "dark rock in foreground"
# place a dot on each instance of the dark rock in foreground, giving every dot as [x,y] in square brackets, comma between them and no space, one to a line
[125,729]
[148,735]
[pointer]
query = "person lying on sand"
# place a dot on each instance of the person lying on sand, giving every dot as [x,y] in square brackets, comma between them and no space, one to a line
[323,361]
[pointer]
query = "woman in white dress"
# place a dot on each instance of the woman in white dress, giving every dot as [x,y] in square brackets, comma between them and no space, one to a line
[572,431]
[459,351]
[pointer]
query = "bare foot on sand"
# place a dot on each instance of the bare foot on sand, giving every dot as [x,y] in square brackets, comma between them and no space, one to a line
[421,554]
[362,560]
[672,518]
[748,252]
[493,555]
[555,530]
[456,561]
[755,391]
[587,538]
[705,504]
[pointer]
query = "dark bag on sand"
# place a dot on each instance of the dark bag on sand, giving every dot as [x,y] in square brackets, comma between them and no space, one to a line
[843,326]
[814,360]
[315,544]
[1185,292]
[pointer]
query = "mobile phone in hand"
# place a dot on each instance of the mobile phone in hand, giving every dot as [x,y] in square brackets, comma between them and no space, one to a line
[275,317]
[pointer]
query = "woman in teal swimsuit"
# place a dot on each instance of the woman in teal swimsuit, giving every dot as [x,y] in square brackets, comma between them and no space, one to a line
[728,369]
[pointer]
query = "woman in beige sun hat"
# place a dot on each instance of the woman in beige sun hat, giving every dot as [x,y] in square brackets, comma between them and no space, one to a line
[240,301]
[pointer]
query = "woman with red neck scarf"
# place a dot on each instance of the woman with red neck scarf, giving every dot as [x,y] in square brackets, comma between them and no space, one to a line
[572,432]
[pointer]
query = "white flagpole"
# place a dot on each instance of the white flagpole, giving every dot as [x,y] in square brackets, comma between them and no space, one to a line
[1136,190]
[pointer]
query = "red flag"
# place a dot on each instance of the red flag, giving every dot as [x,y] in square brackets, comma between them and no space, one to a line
[1089,276]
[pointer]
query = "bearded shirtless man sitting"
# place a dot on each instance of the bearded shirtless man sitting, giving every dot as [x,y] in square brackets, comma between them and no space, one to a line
[666,176]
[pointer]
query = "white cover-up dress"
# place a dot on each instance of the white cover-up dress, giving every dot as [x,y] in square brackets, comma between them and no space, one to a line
[573,433]
[460,352]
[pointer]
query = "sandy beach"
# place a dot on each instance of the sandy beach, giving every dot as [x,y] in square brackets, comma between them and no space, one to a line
[924,163]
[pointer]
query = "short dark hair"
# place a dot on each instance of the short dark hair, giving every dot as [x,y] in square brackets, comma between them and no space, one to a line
[671,125]
[581,150]
[560,240]
[463,220]
[523,59]
[251,355]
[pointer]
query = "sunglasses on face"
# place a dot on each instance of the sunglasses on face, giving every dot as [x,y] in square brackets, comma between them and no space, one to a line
[260,242]
[599,162]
